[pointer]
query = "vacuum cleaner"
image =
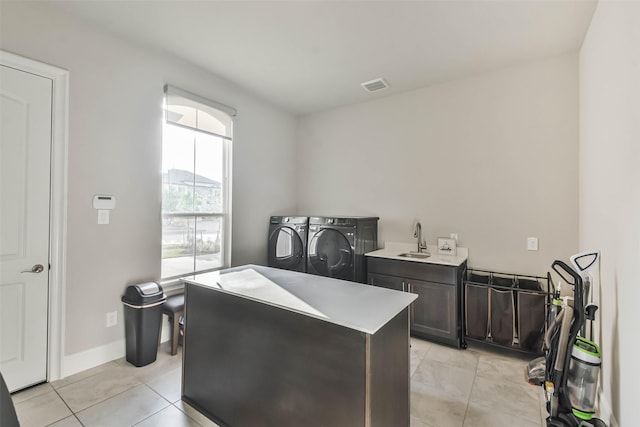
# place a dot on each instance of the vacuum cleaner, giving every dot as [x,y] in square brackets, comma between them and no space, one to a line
[570,368]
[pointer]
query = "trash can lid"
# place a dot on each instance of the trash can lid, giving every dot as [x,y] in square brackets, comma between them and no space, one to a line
[149,288]
[143,294]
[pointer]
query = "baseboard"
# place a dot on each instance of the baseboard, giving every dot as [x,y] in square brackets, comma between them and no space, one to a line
[93,357]
[606,414]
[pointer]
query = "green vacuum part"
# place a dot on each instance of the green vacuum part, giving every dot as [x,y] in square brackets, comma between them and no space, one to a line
[582,381]
[586,416]
[589,348]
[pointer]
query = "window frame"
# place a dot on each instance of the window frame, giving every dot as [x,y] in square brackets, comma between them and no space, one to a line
[225,186]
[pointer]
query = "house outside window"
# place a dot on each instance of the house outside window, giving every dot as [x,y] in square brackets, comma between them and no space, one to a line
[196,187]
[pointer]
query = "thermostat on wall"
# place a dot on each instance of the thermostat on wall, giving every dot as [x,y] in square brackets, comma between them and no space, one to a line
[101,202]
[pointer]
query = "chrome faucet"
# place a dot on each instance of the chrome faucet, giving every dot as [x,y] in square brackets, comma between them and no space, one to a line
[417,233]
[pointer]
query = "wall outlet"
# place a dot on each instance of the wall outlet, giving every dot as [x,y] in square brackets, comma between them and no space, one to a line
[111,319]
[454,236]
[532,243]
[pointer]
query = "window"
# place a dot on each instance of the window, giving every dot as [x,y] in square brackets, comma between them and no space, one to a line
[196,188]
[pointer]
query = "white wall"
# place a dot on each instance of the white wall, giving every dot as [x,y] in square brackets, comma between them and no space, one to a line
[610,192]
[512,134]
[492,157]
[116,91]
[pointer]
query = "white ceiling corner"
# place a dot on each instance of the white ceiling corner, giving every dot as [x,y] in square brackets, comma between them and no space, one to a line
[309,56]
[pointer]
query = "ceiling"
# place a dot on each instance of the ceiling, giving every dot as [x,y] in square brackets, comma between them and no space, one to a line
[309,56]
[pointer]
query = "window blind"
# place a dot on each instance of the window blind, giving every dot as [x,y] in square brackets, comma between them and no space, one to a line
[192,111]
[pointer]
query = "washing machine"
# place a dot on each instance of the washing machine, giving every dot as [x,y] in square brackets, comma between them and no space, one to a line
[337,246]
[288,242]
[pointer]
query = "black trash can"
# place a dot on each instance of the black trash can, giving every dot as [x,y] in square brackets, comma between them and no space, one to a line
[143,320]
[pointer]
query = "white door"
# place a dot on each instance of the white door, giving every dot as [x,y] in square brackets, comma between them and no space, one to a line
[25,145]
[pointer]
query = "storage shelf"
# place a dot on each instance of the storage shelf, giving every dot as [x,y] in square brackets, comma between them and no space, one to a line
[505,310]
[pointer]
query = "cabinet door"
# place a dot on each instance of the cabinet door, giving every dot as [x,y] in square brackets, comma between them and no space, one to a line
[384,281]
[434,312]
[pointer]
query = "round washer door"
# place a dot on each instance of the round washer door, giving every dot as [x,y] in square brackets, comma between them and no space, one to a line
[285,248]
[330,254]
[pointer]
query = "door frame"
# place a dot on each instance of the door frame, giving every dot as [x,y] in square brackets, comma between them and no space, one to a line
[57,203]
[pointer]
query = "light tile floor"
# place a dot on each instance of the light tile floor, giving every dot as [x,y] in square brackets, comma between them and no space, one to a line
[476,387]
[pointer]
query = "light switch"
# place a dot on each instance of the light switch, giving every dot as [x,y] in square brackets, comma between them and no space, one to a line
[103,216]
[532,243]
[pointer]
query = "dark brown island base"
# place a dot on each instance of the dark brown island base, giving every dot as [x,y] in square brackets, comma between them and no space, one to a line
[269,347]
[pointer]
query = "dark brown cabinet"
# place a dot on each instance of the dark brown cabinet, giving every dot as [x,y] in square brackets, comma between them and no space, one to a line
[437,313]
[389,282]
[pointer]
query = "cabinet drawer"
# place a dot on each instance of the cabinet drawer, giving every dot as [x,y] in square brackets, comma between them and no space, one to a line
[413,270]
[389,282]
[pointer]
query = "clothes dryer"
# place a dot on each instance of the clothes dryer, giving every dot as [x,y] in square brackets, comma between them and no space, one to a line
[337,246]
[288,242]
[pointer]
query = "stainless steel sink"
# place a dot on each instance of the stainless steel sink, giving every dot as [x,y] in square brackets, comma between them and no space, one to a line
[420,255]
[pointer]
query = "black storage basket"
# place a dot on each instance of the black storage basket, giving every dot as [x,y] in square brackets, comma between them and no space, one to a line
[531,320]
[503,314]
[477,305]
[531,314]
[507,310]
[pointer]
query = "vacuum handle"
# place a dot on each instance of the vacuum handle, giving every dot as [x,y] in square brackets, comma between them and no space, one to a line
[584,260]
[562,269]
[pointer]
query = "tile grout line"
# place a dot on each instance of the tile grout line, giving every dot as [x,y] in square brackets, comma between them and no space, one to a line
[145,382]
[118,394]
[171,404]
[73,414]
[475,376]
[84,378]
[186,415]
[158,411]
[61,399]
[476,356]
[101,401]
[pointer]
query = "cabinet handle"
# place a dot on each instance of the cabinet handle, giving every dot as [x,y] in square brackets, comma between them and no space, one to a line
[408,287]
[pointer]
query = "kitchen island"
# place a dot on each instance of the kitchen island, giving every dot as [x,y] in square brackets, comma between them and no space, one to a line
[270,347]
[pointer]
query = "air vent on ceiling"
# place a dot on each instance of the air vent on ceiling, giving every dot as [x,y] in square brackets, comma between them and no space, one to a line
[375,85]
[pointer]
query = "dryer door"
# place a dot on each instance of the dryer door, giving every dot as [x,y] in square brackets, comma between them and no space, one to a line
[330,254]
[286,249]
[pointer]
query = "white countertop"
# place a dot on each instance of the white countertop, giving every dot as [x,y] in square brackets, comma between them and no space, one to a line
[392,250]
[354,305]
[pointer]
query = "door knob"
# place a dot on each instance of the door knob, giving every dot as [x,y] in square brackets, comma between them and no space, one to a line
[38,268]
